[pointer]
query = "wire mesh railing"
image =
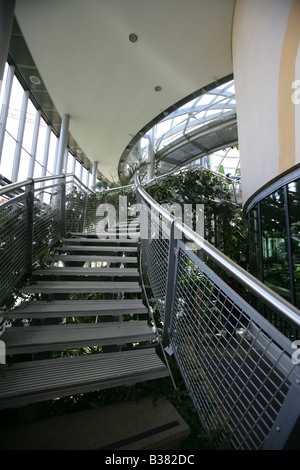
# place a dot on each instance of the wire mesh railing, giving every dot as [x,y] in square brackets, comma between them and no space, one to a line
[34,216]
[239,369]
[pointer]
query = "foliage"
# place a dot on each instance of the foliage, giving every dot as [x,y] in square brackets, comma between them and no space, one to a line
[225,225]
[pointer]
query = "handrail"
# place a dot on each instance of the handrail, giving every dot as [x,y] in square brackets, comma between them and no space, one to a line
[264,293]
[29,181]
[183,169]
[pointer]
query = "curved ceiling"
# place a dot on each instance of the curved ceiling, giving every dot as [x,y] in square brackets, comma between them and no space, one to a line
[105,82]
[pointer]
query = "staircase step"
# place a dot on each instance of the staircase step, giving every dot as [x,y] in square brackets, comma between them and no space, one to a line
[99,241]
[91,235]
[47,287]
[115,249]
[36,381]
[76,271]
[33,339]
[72,308]
[98,259]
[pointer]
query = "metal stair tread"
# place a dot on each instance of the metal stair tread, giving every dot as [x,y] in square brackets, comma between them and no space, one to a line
[65,308]
[55,337]
[34,381]
[103,259]
[81,287]
[115,248]
[100,240]
[79,271]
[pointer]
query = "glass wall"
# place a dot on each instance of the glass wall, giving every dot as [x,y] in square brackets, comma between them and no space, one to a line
[43,154]
[274,235]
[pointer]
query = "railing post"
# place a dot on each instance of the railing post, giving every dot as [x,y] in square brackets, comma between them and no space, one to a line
[30,212]
[83,212]
[170,287]
[63,207]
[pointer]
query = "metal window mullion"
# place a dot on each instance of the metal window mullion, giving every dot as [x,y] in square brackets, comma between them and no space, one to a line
[34,143]
[17,157]
[87,181]
[5,105]
[80,172]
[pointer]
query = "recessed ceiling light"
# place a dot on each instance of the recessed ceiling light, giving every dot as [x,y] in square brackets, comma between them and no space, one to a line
[133,37]
[35,80]
[157,88]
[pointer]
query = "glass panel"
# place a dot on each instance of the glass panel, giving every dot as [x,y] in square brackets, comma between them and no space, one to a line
[41,142]
[14,109]
[274,244]
[7,156]
[52,152]
[24,165]
[294,212]
[29,127]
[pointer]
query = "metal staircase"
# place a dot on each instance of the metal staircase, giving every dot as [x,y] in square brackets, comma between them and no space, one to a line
[115,323]
[238,367]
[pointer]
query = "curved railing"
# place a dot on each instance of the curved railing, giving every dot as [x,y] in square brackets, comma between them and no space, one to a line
[242,373]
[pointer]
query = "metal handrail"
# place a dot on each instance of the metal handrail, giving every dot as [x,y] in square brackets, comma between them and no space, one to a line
[286,310]
[13,186]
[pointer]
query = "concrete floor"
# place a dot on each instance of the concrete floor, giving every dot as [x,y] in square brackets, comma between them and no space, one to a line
[127,426]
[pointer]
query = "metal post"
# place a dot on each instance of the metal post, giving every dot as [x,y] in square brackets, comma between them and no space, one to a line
[94,173]
[170,288]
[34,143]
[30,233]
[83,212]
[63,207]
[5,105]
[62,145]
[17,157]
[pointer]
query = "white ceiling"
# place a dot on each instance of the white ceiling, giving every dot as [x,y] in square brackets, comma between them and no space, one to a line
[106,83]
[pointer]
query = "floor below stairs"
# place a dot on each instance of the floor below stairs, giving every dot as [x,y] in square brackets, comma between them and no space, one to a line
[94,280]
[127,426]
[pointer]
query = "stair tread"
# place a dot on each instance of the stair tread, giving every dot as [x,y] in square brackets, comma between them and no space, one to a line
[34,381]
[116,248]
[63,308]
[52,337]
[100,240]
[107,258]
[76,271]
[81,287]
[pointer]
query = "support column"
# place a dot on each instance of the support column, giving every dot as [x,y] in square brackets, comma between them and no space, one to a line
[17,157]
[66,161]
[62,145]
[94,173]
[7,9]
[34,143]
